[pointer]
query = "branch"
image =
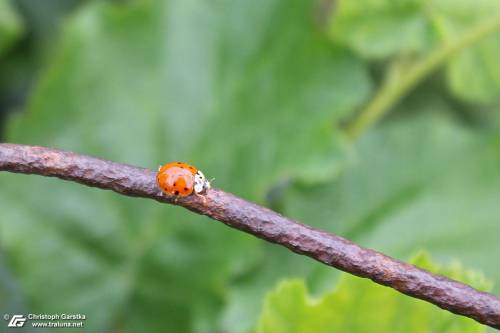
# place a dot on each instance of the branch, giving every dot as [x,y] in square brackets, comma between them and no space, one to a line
[237,213]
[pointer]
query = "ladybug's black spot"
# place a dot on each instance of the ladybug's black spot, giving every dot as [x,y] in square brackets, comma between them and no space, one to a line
[176,192]
[179,163]
[185,188]
[175,184]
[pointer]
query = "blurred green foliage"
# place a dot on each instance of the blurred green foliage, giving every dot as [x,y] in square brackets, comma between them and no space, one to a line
[349,308]
[11,26]
[256,94]
[407,28]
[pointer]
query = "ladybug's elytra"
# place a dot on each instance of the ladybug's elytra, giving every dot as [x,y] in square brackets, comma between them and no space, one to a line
[181,179]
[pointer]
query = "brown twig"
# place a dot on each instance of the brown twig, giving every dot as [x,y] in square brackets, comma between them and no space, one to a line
[324,247]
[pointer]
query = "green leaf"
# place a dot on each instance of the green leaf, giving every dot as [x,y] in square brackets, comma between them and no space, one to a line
[421,181]
[249,92]
[383,28]
[359,305]
[11,25]
[402,29]
[378,29]
[473,74]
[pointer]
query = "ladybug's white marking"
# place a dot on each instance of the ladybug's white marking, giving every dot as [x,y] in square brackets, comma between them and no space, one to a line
[201,184]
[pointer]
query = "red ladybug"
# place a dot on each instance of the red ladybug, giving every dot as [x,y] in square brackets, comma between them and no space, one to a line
[181,179]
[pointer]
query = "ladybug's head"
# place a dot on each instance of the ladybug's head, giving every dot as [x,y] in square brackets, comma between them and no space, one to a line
[201,184]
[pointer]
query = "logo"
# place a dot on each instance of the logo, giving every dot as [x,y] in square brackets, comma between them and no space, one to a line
[45,320]
[17,321]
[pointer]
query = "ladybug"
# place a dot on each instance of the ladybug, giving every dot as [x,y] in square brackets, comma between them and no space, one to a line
[181,179]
